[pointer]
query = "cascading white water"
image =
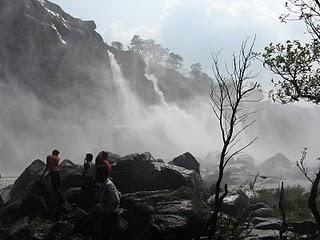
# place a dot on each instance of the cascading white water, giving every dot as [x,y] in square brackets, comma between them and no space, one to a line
[165,129]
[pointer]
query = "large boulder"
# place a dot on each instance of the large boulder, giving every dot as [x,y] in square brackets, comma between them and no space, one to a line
[186,160]
[29,176]
[32,193]
[70,175]
[141,172]
[162,214]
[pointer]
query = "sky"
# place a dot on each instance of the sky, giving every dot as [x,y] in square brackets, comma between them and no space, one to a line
[192,28]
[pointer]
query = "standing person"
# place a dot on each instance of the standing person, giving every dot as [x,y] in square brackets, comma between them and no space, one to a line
[54,171]
[101,164]
[87,194]
[110,201]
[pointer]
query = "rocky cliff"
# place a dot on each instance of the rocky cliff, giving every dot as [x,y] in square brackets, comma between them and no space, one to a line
[56,56]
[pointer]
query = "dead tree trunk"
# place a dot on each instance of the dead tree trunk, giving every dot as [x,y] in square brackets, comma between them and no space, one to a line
[283,214]
[313,197]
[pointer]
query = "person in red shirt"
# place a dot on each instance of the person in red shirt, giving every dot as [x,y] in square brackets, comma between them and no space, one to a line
[54,171]
[102,164]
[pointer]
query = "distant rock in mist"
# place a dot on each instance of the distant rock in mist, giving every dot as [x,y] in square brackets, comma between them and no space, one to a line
[276,165]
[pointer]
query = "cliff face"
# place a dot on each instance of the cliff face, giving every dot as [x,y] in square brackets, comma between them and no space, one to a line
[48,51]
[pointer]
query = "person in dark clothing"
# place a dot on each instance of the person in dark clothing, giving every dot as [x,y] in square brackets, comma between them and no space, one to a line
[87,194]
[54,171]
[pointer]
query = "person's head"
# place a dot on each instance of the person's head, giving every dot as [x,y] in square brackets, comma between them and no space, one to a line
[55,152]
[89,157]
[105,155]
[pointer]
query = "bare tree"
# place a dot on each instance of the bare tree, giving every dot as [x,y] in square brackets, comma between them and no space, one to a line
[281,204]
[229,95]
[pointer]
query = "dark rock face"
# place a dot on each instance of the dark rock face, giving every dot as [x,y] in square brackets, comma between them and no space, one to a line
[160,214]
[48,51]
[133,69]
[141,172]
[186,160]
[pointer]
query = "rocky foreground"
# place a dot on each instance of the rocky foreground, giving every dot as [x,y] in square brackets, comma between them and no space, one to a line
[159,201]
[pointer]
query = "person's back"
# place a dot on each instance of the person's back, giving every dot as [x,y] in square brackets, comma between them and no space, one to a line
[89,169]
[109,197]
[54,171]
[53,163]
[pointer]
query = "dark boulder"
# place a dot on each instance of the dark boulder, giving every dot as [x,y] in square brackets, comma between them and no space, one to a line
[29,176]
[305,227]
[70,175]
[186,160]
[162,214]
[72,195]
[32,193]
[263,212]
[20,230]
[141,172]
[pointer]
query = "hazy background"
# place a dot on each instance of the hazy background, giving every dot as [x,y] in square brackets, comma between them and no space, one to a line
[31,128]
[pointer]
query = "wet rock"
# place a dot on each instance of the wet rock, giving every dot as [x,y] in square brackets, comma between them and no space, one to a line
[141,172]
[162,213]
[20,230]
[270,224]
[263,212]
[186,160]
[259,205]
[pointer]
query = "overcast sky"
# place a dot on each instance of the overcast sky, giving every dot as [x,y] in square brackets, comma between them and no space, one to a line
[191,28]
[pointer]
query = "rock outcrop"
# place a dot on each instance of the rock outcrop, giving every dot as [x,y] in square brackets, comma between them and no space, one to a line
[162,214]
[186,160]
[141,172]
